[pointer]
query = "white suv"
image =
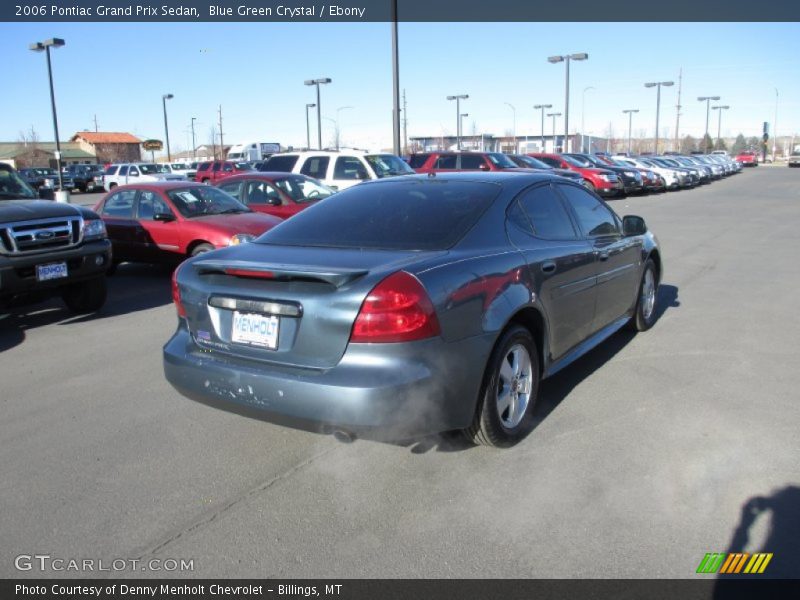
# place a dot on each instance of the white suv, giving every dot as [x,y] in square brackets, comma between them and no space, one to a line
[135,173]
[338,170]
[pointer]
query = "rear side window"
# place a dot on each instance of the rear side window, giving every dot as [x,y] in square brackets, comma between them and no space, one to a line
[407,215]
[284,163]
[472,161]
[316,167]
[417,160]
[203,166]
[120,204]
[549,161]
[593,217]
[349,167]
[547,214]
[446,161]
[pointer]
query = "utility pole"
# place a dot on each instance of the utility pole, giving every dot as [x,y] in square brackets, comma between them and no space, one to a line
[95,123]
[395,83]
[678,112]
[194,146]
[405,124]
[221,142]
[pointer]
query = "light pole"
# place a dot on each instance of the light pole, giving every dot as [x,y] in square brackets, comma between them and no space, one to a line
[707,100]
[554,115]
[458,100]
[395,83]
[514,123]
[719,120]
[630,112]
[583,106]
[317,82]
[658,84]
[567,58]
[45,47]
[194,147]
[308,128]
[338,129]
[542,107]
[461,120]
[775,127]
[164,99]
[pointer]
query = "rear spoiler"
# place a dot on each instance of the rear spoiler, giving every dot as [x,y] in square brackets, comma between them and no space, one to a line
[259,270]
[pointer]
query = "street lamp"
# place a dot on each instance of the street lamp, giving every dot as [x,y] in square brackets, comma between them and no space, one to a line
[719,120]
[514,112]
[308,128]
[461,120]
[194,147]
[658,84]
[45,47]
[458,100]
[164,99]
[317,82]
[567,58]
[775,127]
[707,100]
[583,107]
[542,107]
[554,115]
[338,130]
[630,112]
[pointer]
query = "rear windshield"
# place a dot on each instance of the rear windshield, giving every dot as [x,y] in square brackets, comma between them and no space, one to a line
[404,215]
[283,164]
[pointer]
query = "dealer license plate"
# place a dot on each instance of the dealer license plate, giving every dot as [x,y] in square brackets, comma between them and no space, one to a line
[51,271]
[255,329]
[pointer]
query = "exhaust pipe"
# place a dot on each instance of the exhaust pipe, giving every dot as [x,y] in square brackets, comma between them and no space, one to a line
[345,437]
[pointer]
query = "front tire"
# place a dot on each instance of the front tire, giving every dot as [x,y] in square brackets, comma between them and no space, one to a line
[86,296]
[201,249]
[509,391]
[645,312]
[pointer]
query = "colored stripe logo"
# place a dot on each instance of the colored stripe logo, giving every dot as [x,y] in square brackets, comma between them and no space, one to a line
[734,563]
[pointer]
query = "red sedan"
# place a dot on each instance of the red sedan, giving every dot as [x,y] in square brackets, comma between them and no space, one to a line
[604,182]
[278,194]
[171,220]
[747,158]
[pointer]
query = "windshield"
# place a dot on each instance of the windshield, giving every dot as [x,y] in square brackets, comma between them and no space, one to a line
[13,187]
[387,165]
[201,201]
[577,161]
[533,163]
[501,160]
[592,160]
[303,189]
[149,169]
[410,214]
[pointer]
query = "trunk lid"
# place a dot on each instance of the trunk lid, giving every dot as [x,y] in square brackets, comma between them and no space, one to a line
[314,295]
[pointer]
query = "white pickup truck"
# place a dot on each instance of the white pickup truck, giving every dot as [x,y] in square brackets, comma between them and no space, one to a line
[136,173]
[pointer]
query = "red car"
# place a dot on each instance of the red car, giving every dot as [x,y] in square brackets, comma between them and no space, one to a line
[274,193]
[604,182]
[215,170]
[436,162]
[747,158]
[172,220]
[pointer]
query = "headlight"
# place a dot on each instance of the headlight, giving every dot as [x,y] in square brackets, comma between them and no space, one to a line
[95,228]
[241,238]
[630,173]
[605,177]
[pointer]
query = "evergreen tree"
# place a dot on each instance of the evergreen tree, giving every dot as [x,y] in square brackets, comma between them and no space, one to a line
[720,145]
[739,145]
[688,145]
[706,144]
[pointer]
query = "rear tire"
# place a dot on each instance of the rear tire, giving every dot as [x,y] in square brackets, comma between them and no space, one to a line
[509,391]
[644,315]
[86,296]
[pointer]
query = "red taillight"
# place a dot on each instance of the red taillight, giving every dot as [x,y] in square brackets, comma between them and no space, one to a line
[250,273]
[176,294]
[396,310]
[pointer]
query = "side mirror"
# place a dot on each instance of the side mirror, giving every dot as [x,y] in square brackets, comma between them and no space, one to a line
[164,217]
[483,167]
[633,225]
[274,201]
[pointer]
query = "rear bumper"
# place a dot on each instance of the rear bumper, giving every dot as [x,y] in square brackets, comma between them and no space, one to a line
[18,273]
[391,390]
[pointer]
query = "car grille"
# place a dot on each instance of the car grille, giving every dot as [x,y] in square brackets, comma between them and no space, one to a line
[612,177]
[44,235]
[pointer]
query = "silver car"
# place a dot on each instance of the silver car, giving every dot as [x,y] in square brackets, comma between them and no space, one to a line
[413,305]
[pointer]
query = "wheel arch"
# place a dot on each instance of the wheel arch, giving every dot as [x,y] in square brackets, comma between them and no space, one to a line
[194,244]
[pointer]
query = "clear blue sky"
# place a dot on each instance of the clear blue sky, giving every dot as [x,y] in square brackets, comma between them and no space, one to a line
[256,71]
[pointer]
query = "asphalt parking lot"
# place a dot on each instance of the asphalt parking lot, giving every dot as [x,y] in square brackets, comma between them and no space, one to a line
[649,452]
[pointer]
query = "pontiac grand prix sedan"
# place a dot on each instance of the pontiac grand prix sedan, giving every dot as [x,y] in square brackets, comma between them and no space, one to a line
[413,305]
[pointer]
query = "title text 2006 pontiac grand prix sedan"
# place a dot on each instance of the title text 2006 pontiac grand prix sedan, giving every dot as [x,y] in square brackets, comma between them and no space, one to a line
[413,305]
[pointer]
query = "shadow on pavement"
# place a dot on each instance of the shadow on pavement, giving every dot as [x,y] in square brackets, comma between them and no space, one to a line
[133,288]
